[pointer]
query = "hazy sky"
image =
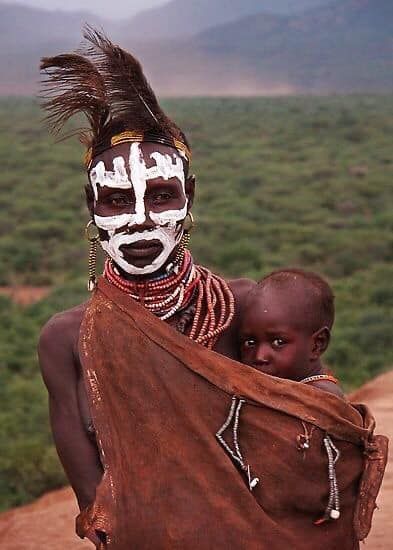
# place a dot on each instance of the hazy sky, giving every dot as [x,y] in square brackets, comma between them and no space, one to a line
[106,8]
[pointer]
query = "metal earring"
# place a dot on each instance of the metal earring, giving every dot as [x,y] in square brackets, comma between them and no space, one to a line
[93,238]
[188,222]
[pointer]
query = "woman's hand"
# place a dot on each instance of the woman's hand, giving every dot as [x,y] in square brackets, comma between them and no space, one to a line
[95,539]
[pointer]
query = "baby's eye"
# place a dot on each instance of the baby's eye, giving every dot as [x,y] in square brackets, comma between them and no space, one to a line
[278,343]
[249,343]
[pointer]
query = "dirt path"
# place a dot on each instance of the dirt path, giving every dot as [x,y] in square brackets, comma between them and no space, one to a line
[25,295]
[378,394]
[48,523]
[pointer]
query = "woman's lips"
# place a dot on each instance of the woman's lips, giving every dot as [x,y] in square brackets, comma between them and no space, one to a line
[142,249]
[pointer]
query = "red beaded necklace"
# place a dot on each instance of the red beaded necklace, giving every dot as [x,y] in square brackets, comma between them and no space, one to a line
[169,294]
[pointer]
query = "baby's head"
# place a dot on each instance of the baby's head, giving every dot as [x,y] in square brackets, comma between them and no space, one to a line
[286,324]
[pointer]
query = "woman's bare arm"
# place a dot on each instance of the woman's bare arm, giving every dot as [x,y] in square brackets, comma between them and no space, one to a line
[78,454]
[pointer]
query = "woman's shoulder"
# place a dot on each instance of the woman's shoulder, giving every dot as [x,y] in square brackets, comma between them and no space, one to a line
[62,329]
[65,320]
[58,351]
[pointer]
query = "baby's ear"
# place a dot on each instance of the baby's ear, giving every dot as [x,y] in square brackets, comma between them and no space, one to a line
[320,342]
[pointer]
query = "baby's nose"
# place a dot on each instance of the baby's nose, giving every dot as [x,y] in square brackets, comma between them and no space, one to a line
[262,356]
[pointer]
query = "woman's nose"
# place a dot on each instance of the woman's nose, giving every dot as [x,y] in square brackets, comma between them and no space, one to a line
[141,215]
[143,222]
[139,227]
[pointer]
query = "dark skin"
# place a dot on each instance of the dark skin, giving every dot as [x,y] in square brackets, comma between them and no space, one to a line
[276,339]
[58,345]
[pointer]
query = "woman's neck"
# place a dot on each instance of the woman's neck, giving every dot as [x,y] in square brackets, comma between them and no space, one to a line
[212,301]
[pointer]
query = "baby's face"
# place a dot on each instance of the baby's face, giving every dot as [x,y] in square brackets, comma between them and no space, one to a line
[273,337]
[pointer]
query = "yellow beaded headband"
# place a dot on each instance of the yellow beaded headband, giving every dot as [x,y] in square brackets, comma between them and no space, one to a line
[139,137]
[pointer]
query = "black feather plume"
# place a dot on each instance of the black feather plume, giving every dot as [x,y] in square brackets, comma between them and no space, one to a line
[131,97]
[72,84]
[107,84]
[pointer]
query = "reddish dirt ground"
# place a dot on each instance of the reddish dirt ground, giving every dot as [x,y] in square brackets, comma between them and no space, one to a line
[25,295]
[48,523]
[378,394]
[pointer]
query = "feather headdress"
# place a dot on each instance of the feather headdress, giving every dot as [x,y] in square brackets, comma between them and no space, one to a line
[107,85]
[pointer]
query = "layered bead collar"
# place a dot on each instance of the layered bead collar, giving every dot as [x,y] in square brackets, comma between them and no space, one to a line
[193,285]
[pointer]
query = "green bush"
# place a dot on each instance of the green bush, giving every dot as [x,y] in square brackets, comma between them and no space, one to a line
[281,182]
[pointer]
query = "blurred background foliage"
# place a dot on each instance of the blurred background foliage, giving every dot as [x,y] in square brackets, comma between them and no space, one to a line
[281,182]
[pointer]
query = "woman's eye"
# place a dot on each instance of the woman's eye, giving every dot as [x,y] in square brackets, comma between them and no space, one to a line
[161,197]
[278,343]
[249,343]
[119,201]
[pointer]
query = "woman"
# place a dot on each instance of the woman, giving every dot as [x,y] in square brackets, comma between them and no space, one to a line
[139,196]
[139,411]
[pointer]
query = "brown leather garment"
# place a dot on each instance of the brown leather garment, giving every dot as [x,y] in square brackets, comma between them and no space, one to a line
[157,400]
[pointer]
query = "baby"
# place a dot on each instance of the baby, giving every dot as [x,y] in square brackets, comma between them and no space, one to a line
[286,326]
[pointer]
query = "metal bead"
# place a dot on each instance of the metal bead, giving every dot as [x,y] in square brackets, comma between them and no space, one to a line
[236,455]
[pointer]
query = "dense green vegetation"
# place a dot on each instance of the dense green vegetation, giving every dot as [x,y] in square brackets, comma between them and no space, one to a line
[282,182]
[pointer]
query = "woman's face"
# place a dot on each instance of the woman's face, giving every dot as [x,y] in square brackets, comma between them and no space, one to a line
[140,199]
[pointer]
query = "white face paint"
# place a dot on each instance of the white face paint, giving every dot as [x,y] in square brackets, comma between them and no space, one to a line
[162,234]
[166,169]
[118,178]
[167,230]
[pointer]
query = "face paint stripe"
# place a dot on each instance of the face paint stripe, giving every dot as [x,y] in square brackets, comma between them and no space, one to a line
[169,217]
[138,180]
[166,169]
[111,223]
[117,178]
[112,247]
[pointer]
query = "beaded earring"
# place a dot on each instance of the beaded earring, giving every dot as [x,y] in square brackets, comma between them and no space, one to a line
[188,224]
[93,239]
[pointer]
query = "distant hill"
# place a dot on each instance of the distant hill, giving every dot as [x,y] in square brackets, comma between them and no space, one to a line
[24,27]
[340,46]
[346,46]
[28,33]
[189,17]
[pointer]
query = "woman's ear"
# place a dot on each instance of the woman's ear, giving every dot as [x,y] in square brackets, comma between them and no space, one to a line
[320,342]
[190,190]
[89,199]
